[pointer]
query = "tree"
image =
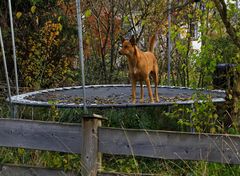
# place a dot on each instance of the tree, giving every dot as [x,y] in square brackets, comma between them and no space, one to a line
[233,32]
[223,12]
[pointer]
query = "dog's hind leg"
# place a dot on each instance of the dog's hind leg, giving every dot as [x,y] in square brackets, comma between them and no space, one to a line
[155,78]
[149,90]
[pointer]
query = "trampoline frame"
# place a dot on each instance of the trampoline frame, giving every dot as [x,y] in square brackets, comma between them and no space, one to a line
[21,99]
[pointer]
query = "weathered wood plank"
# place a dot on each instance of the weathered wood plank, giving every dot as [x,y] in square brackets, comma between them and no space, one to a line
[170,145]
[40,135]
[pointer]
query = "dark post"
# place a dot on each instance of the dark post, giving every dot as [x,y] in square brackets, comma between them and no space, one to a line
[91,158]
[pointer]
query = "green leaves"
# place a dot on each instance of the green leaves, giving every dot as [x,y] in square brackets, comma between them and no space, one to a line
[210,4]
[190,15]
[203,116]
[18,15]
[34,2]
[88,13]
[33,9]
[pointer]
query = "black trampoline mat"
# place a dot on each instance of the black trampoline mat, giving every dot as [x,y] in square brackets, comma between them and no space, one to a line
[113,96]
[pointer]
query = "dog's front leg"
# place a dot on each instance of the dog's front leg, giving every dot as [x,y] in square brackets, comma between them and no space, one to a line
[133,91]
[149,90]
[142,92]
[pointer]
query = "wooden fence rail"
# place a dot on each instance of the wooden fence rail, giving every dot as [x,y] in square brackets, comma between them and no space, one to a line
[41,135]
[170,145]
[148,143]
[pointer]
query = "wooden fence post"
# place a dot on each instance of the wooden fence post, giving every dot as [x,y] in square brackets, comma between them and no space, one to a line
[90,158]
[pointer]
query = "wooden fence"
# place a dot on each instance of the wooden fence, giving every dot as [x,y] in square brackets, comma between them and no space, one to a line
[89,139]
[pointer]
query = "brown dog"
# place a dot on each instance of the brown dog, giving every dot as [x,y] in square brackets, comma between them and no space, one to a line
[141,65]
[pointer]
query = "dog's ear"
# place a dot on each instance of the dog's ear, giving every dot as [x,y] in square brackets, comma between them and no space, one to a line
[122,38]
[132,40]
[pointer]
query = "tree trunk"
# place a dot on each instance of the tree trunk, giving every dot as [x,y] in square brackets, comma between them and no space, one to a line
[222,9]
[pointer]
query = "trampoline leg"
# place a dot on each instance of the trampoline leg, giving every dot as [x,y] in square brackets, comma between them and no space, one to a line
[14,111]
[192,128]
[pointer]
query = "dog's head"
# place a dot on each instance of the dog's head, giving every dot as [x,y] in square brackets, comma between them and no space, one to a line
[128,46]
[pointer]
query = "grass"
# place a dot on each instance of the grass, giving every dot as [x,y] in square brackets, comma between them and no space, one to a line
[168,167]
[124,164]
[149,118]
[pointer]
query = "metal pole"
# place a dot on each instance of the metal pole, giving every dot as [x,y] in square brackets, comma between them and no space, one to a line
[79,22]
[14,47]
[5,67]
[6,75]
[169,40]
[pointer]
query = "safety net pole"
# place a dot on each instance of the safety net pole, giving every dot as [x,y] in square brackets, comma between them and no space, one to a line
[79,22]
[14,47]
[169,40]
[5,67]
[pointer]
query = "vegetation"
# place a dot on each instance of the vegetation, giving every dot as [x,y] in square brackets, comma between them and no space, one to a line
[47,52]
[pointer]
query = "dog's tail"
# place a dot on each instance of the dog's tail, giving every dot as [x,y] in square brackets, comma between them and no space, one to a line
[153,42]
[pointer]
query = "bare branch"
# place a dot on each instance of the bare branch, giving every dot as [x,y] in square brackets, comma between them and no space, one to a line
[222,9]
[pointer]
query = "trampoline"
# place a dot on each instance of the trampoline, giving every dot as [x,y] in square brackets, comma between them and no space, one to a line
[110,96]
[100,96]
